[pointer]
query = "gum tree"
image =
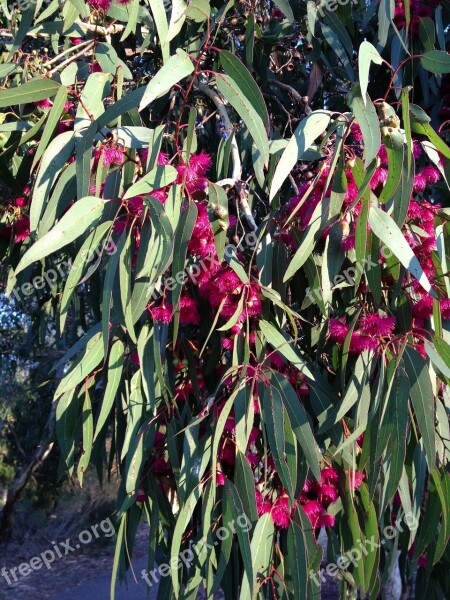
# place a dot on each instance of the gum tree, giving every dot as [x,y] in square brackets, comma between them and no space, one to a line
[243,206]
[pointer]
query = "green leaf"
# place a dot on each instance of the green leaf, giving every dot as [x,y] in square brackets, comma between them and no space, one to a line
[83,366]
[115,366]
[421,393]
[82,215]
[218,217]
[55,157]
[309,240]
[436,61]
[367,54]
[299,421]
[183,235]
[32,91]
[91,105]
[283,344]
[198,10]
[79,267]
[419,125]
[66,418]
[88,430]
[296,546]
[439,354]
[177,18]
[133,12]
[305,134]
[158,178]
[109,61]
[274,417]
[367,119]
[237,510]
[175,69]
[261,551]
[390,234]
[230,89]
[250,90]
[245,485]
[7,69]
[52,121]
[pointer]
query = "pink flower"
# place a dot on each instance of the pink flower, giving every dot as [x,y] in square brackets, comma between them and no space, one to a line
[64,125]
[329,476]
[252,458]
[280,512]
[194,173]
[313,510]
[228,453]
[423,309]
[163,313]
[141,496]
[372,324]
[357,133]
[328,494]
[21,229]
[277,14]
[360,342]
[100,4]
[112,155]
[263,505]
[161,466]
[338,330]
[21,202]
[356,478]
[47,103]
[227,343]
[189,314]
[220,478]
[325,520]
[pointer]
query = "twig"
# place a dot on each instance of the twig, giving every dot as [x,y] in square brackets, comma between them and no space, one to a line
[68,51]
[105,31]
[71,58]
[303,101]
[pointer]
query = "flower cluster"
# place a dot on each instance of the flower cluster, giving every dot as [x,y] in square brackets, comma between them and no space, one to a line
[368,333]
[418,10]
[315,499]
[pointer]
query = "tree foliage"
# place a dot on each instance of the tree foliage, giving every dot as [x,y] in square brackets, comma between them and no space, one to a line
[236,216]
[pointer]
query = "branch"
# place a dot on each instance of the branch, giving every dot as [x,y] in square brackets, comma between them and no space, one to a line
[303,101]
[237,166]
[221,109]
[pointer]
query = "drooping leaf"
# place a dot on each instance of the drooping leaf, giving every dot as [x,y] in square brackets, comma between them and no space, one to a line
[83,214]
[366,55]
[32,91]
[230,89]
[436,61]
[176,68]
[390,234]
